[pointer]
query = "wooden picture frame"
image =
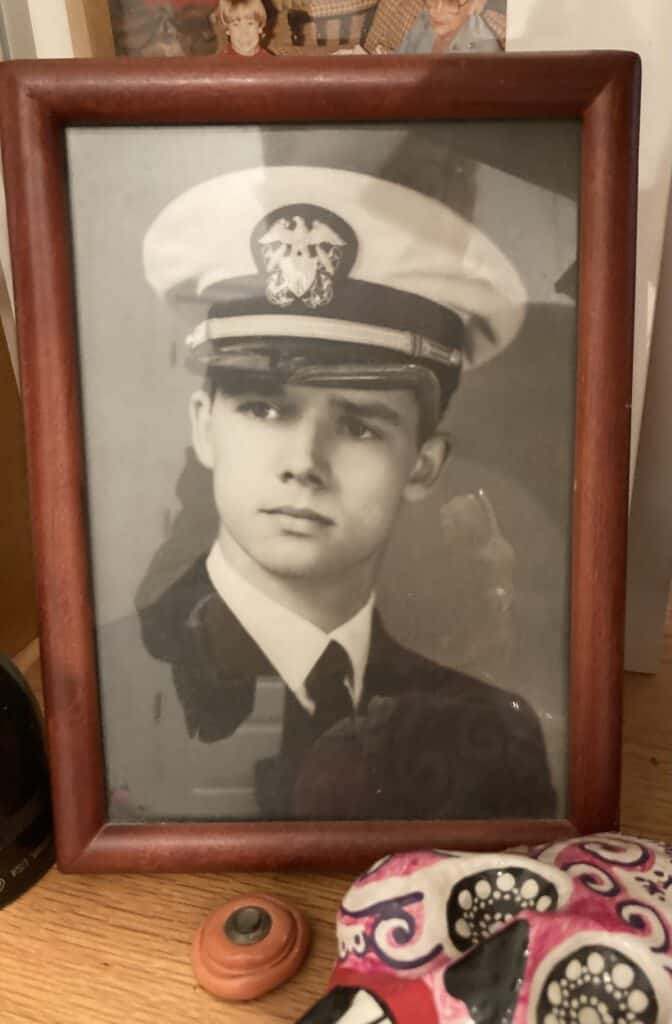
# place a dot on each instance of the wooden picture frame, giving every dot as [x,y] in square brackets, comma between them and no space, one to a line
[42,102]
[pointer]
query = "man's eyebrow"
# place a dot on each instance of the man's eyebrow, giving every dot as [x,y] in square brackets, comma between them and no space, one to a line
[370,410]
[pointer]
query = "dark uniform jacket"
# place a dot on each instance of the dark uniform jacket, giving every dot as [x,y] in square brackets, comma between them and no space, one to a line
[427,741]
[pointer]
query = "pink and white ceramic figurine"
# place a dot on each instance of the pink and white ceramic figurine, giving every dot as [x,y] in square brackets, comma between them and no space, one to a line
[577,932]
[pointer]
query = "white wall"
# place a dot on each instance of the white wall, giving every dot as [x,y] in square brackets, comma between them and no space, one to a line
[51,29]
[34,28]
[646,28]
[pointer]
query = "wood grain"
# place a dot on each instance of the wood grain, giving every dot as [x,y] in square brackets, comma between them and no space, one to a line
[90,28]
[117,948]
[599,509]
[646,792]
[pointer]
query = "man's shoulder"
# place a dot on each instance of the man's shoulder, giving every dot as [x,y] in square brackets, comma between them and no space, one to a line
[487,737]
[164,619]
[399,669]
[214,660]
[189,586]
[459,698]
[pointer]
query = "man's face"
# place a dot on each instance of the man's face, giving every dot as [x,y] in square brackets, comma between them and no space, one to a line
[448,16]
[308,481]
[244,32]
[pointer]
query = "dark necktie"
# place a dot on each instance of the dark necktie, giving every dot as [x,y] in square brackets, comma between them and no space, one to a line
[277,777]
[326,685]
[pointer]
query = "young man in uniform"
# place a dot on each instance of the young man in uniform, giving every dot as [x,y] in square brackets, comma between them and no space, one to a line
[339,308]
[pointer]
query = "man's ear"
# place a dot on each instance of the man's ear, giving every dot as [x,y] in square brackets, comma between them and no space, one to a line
[200,413]
[431,457]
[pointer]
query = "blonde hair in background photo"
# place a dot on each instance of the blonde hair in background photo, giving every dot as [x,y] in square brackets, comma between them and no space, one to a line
[226,9]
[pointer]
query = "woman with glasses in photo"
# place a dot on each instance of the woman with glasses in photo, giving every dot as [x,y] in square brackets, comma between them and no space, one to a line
[447,26]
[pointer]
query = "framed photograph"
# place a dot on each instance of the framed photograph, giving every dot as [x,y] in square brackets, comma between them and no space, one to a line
[326,377]
[253,28]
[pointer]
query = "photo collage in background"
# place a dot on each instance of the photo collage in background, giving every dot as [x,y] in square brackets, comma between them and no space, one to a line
[175,28]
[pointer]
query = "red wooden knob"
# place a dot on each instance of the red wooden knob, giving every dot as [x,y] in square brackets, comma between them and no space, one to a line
[248,946]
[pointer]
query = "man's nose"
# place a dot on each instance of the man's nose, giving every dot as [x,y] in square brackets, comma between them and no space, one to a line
[305,456]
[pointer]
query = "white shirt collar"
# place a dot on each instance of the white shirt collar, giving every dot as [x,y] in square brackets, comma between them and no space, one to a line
[291,643]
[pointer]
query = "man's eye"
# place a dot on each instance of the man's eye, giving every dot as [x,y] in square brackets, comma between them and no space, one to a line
[260,410]
[358,429]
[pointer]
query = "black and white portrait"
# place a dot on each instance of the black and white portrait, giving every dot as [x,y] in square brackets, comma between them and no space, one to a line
[328,378]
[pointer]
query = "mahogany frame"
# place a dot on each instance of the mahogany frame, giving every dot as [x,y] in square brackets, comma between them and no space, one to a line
[39,100]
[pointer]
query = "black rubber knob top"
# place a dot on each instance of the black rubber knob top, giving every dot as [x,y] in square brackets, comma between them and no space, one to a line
[248,925]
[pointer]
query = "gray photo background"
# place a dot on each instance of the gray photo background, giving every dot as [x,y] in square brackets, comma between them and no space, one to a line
[511,422]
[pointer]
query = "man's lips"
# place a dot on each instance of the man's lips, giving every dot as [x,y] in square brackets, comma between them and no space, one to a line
[299,513]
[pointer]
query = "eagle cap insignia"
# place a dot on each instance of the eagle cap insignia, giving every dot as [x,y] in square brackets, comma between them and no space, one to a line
[302,250]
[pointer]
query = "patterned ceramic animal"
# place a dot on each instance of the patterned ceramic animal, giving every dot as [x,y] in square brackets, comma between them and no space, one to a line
[576,932]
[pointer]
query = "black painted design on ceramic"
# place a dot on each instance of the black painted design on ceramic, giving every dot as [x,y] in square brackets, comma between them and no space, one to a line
[648,922]
[394,929]
[361,1005]
[594,878]
[487,980]
[481,903]
[357,944]
[656,884]
[597,985]
[384,906]
[627,853]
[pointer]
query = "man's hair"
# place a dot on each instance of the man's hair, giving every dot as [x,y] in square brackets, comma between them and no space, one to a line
[227,8]
[239,382]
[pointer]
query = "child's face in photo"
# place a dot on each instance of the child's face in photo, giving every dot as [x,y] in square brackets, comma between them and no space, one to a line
[244,32]
[308,481]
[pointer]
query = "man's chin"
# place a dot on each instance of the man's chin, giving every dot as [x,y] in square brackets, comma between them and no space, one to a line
[294,557]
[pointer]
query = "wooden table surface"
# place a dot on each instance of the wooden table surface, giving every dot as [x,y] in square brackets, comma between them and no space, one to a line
[110,949]
[107,949]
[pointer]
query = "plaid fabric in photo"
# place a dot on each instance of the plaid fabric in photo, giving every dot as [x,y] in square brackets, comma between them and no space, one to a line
[325,8]
[328,24]
[392,20]
[496,22]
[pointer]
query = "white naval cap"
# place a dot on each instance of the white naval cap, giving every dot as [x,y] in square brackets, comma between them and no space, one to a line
[353,265]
